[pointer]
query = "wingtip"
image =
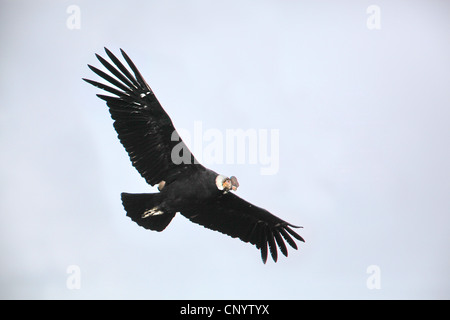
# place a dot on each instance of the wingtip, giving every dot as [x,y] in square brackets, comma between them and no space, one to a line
[125,56]
[294,226]
[264,259]
[104,97]
[294,234]
[109,53]
[94,69]
[91,82]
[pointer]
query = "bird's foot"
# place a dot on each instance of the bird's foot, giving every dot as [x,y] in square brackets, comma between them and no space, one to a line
[152,212]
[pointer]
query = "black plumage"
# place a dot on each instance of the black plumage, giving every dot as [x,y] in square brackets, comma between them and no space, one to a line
[200,194]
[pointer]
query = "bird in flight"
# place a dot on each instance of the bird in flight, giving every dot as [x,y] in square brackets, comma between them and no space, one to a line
[185,186]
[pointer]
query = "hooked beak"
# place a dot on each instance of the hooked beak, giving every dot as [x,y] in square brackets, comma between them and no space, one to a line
[234,183]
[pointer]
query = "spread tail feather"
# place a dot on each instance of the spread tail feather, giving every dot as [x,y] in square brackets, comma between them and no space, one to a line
[143,208]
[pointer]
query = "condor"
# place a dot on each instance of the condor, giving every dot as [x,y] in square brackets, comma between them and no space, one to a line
[200,194]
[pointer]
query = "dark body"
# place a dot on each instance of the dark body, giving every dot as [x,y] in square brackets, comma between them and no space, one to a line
[196,187]
[200,194]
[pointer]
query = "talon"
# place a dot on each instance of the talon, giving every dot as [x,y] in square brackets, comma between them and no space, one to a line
[161,185]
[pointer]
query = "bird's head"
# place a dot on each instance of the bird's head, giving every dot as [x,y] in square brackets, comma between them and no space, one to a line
[226,184]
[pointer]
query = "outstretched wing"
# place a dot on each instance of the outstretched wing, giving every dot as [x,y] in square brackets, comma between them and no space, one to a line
[238,218]
[143,127]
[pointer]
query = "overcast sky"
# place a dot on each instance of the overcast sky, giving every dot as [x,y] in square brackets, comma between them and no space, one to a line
[358,92]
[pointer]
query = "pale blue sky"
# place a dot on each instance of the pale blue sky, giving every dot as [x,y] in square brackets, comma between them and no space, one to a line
[363,156]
